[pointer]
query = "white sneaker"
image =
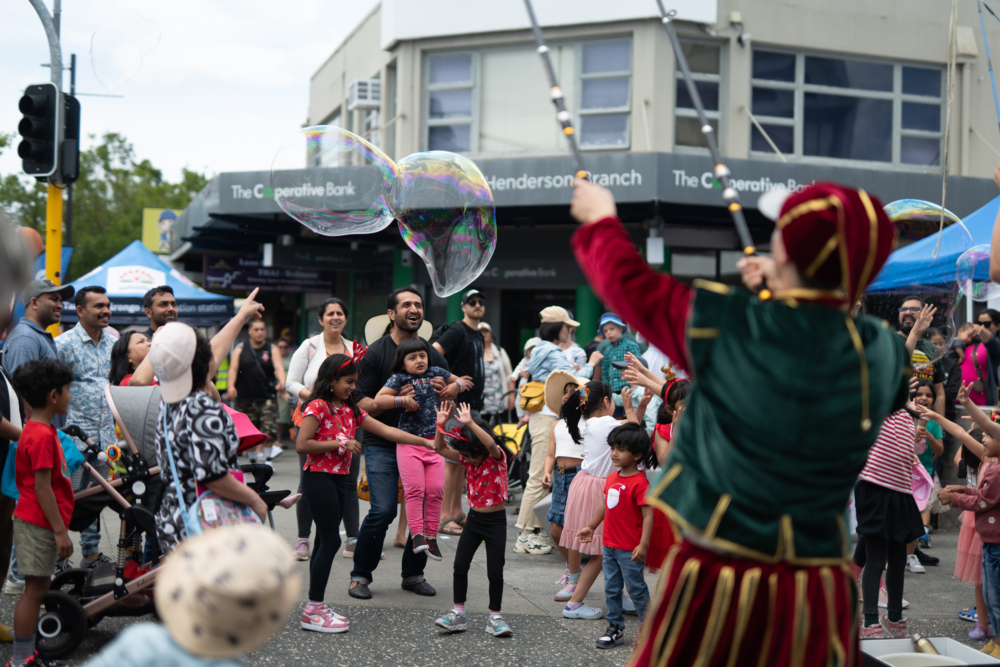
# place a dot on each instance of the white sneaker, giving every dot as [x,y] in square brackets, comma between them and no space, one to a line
[913,565]
[529,544]
[13,586]
[274,453]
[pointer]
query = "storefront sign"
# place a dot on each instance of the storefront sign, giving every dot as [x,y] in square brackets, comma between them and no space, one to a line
[531,273]
[329,258]
[241,273]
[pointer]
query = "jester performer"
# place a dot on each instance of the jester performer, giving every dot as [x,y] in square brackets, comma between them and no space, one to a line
[789,393]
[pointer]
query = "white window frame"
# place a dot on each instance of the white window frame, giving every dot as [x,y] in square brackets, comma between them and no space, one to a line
[684,112]
[472,121]
[799,87]
[608,111]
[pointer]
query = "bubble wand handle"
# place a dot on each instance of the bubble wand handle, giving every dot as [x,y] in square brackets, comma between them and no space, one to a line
[562,114]
[722,173]
[989,62]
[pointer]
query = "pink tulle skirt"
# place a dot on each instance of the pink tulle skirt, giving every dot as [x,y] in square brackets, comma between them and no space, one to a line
[969,563]
[586,495]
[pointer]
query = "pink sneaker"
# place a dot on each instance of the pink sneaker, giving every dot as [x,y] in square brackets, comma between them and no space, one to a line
[895,630]
[301,550]
[566,594]
[320,618]
[871,632]
[883,599]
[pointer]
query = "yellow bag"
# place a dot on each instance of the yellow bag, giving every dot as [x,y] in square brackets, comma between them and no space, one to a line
[363,493]
[532,397]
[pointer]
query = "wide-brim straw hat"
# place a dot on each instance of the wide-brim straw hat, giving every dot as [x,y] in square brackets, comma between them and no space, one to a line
[227,591]
[375,329]
[555,384]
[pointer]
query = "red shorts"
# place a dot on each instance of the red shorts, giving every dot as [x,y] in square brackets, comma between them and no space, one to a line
[720,610]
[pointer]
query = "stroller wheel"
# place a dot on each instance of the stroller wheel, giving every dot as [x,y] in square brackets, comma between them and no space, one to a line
[61,625]
[71,582]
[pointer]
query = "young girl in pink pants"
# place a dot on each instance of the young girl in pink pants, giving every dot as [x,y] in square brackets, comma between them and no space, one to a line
[421,470]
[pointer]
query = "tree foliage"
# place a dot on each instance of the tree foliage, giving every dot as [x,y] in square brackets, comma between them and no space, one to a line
[108,198]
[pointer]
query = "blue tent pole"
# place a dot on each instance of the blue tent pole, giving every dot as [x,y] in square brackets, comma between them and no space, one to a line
[989,62]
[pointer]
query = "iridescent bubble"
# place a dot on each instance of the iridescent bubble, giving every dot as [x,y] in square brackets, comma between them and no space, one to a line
[917,219]
[973,274]
[446,215]
[118,47]
[333,182]
[922,271]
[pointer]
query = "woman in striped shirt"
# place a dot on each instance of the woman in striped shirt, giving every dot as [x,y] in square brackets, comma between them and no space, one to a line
[888,519]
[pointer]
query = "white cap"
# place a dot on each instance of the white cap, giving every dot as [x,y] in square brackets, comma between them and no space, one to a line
[769,204]
[171,354]
[531,342]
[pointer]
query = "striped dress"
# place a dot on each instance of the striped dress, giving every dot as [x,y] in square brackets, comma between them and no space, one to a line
[890,461]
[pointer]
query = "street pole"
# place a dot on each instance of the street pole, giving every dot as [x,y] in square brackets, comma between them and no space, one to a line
[69,186]
[54,203]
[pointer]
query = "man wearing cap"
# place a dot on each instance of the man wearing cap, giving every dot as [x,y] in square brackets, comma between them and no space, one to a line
[761,576]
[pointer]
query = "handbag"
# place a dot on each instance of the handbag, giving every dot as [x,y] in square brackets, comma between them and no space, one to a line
[979,385]
[209,510]
[364,493]
[532,397]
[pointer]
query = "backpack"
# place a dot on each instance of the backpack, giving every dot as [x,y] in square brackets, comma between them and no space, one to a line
[439,331]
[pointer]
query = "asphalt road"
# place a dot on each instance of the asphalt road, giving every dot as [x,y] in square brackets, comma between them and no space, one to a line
[396,627]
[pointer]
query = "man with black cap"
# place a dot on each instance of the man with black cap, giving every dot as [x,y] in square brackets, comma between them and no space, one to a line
[761,576]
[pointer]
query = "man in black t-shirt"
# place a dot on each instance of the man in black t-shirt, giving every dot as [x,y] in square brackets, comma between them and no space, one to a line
[406,312]
[462,345]
[256,377]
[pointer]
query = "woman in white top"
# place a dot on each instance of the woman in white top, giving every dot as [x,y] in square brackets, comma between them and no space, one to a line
[301,376]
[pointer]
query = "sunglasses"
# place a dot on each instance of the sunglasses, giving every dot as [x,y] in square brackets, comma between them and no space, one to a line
[910,309]
[475,302]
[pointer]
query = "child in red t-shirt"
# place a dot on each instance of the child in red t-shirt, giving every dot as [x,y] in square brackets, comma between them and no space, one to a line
[46,502]
[479,452]
[628,525]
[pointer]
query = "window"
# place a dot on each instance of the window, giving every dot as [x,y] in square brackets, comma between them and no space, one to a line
[605,94]
[705,62]
[450,83]
[821,107]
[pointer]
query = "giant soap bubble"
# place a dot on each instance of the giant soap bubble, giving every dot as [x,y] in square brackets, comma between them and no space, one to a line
[922,271]
[118,47]
[333,182]
[973,274]
[445,211]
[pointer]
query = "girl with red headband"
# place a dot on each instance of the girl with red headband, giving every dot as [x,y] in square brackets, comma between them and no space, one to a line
[326,437]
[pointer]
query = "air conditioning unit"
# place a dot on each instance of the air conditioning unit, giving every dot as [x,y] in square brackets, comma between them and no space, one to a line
[364,94]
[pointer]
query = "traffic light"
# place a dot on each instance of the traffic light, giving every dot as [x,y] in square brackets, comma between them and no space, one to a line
[41,126]
[70,158]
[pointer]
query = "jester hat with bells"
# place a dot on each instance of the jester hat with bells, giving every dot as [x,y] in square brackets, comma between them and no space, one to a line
[835,235]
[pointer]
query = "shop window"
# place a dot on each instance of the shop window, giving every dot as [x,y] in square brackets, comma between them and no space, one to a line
[847,109]
[605,94]
[705,62]
[449,101]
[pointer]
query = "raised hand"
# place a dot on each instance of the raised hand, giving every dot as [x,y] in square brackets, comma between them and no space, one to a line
[464,415]
[924,319]
[251,308]
[444,412]
[963,392]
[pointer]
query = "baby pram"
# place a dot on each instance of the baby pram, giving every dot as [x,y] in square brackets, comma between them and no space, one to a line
[79,598]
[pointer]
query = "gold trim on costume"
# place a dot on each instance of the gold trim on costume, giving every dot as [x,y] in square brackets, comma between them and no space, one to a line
[772,603]
[800,626]
[717,615]
[851,592]
[655,600]
[872,244]
[829,592]
[686,582]
[830,246]
[787,536]
[748,594]
[700,333]
[806,207]
[809,293]
[712,286]
[716,519]
[866,422]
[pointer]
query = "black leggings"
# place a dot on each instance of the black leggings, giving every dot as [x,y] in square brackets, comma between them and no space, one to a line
[872,553]
[489,527]
[352,511]
[328,491]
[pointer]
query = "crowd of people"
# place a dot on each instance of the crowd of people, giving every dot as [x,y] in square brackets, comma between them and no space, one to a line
[635,466]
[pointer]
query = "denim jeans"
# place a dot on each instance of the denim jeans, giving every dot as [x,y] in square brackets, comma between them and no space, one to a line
[618,565]
[383,485]
[991,581]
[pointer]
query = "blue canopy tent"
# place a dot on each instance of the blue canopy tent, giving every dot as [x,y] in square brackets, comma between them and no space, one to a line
[131,273]
[916,265]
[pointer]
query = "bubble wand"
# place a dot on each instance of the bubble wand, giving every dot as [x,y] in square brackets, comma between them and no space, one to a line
[989,63]
[562,115]
[722,173]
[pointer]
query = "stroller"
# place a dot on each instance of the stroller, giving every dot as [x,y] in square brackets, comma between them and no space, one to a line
[79,598]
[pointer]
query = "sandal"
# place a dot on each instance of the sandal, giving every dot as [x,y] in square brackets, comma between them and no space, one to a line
[460,520]
[980,632]
[968,614]
[451,527]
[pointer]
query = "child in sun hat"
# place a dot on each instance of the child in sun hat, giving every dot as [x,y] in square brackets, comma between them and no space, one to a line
[615,347]
[220,595]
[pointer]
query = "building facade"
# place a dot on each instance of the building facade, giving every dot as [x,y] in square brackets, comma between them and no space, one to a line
[856,92]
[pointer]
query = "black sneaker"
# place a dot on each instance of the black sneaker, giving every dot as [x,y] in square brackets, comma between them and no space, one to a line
[612,637]
[433,550]
[419,544]
[925,559]
[91,563]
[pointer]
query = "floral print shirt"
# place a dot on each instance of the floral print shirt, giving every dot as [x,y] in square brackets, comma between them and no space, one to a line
[494,388]
[487,482]
[334,424]
[91,364]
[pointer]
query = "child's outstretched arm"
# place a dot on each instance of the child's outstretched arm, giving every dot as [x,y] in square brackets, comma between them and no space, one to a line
[440,446]
[635,414]
[586,534]
[978,416]
[394,434]
[465,416]
[954,429]
[981,499]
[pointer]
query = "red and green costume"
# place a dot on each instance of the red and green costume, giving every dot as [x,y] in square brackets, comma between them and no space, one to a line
[776,429]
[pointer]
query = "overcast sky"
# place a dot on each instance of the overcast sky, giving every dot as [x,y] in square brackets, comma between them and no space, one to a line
[228,82]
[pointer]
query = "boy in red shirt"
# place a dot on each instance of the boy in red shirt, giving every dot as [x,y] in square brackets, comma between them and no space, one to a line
[46,503]
[628,525]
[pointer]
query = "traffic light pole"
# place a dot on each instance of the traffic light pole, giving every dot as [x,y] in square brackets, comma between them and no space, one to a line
[54,203]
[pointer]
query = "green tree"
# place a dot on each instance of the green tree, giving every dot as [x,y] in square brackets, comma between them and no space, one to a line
[108,198]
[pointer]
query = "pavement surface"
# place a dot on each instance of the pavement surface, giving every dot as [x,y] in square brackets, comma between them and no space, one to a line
[396,627]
